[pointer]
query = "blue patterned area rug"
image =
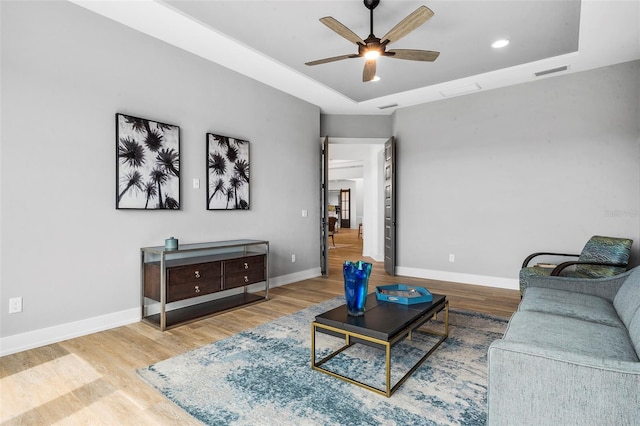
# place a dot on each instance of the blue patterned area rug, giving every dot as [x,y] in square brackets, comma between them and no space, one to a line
[263,376]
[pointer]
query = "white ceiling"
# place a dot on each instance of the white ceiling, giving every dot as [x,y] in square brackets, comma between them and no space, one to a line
[270,40]
[462,31]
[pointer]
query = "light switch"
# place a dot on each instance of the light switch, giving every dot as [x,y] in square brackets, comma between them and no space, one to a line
[305,213]
[196,184]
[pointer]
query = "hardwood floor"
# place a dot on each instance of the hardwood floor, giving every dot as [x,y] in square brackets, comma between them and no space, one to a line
[91,379]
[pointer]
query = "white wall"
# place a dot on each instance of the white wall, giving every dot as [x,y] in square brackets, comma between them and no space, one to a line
[495,176]
[65,249]
[359,201]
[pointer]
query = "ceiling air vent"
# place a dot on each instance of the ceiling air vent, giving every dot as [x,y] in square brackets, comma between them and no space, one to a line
[551,71]
[388,106]
[460,90]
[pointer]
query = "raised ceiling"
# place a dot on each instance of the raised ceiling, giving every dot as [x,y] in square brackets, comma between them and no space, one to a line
[270,40]
[462,31]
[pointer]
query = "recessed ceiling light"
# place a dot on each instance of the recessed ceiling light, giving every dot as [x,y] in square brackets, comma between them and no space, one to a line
[500,43]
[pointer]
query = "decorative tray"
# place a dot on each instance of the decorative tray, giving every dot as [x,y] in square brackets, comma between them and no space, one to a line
[404,294]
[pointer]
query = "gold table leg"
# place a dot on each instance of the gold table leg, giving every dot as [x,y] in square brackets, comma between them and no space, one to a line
[407,333]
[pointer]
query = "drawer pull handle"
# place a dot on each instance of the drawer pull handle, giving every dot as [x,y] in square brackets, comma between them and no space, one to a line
[197,289]
[246,279]
[197,274]
[246,265]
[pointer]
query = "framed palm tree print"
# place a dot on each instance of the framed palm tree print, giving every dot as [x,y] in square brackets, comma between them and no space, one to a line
[147,164]
[227,173]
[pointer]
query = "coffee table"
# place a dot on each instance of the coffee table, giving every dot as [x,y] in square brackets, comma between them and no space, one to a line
[383,325]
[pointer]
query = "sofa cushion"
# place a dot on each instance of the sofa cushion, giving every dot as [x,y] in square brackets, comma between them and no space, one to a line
[570,334]
[627,300]
[568,303]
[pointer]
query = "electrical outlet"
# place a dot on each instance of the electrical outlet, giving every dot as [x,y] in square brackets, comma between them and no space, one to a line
[196,184]
[15,305]
[293,258]
[452,258]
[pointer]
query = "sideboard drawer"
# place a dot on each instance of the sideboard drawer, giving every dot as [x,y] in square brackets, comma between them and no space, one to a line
[198,272]
[244,264]
[238,280]
[193,289]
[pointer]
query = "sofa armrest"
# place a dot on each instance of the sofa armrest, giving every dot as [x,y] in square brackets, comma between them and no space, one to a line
[529,258]
[556,271]
[601,287]
[533,385]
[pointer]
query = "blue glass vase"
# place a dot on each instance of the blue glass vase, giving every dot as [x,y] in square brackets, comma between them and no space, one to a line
[356,283]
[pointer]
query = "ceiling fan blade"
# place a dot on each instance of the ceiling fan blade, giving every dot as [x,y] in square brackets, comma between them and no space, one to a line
[332,59]
[413,54]
[408,24]
[339,28]
[369,70]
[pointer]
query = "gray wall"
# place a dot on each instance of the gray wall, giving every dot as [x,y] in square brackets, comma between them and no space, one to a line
[355,126]
[488,177]
[65,248]
[495,176]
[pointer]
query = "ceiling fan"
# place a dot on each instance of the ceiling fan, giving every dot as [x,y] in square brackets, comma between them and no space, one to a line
[373,47]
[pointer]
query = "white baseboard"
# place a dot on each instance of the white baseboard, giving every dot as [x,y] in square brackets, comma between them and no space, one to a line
[295,277]
[58,333]
[499,282]
[375,256]
[46,336]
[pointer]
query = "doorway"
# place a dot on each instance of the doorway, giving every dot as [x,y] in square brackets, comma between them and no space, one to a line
[365,193]
[345,208]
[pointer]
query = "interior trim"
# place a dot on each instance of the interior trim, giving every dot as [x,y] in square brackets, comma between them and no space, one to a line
[498,282]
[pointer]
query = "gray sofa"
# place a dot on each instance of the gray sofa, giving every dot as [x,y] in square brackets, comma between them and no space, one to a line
[570,355]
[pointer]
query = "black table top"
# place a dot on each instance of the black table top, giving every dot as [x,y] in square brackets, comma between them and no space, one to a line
[381,320]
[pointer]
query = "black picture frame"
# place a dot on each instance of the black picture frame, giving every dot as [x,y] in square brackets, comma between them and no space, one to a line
[147,164]
[227,173]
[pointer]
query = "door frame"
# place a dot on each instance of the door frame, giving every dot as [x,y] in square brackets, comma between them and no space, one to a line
[373,222]
[324,207]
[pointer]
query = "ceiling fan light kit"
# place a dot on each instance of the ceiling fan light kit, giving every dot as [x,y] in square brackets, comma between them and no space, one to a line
[373,47]
[372,54]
